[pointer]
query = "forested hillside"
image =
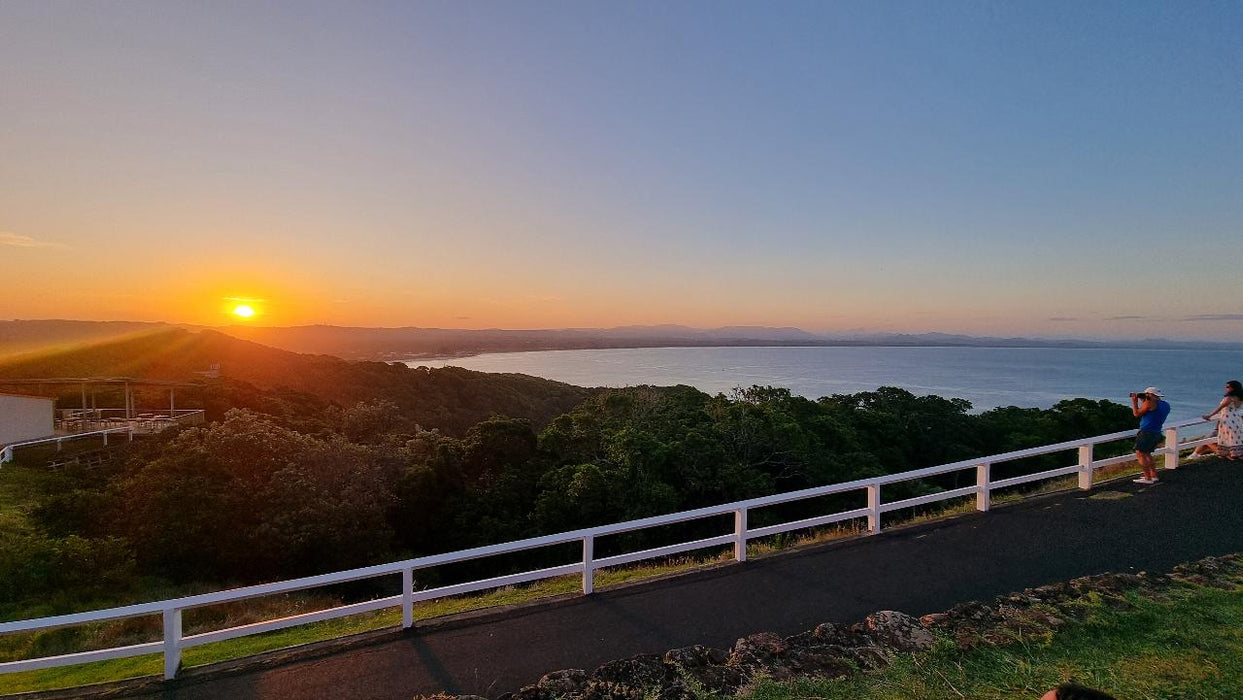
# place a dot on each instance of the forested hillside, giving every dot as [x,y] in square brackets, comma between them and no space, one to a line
[301,389]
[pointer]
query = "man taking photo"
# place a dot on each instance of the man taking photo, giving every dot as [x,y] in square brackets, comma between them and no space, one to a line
[1151,410]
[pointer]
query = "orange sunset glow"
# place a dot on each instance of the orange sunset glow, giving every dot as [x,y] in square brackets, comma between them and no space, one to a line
[685,193]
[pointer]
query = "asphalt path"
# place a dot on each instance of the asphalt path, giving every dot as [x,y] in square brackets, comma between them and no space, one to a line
[1191,513]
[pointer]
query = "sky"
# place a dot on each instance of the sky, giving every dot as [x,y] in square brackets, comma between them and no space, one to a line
[1050,169]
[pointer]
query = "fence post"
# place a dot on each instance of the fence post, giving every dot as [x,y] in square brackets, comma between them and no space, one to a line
[983,499]
[172,642]
[1085,467]
[131,434]
[740,534]
[874,509]
[589,567]
[407,598]
[105,438]
[58,445]
[1171,444]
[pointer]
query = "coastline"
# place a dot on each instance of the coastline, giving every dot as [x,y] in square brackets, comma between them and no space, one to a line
[1035,345]
[986,377]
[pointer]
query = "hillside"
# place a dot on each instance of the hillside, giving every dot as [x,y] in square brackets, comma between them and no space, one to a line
[20,337]
[452,399]
[411,342]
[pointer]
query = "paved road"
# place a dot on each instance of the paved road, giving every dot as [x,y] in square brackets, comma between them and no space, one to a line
[1194,512]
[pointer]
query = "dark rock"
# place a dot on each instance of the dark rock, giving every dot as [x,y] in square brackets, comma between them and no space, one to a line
[1021,600]
[757,649]
[716,679]
[802,639]
[841,635]
[695,656]
[607,690]
[761,654]
[1061,588]
[825,660]
[532,692]
[898,631]
[1211,572]
[974,611]
[1106,583]
[561,683]
[705,667]
[870,658]
[644,671]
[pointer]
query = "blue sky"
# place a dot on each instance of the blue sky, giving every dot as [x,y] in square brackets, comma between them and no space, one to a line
[1055,169]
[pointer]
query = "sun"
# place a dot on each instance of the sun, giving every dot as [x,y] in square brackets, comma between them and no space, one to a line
[241,308]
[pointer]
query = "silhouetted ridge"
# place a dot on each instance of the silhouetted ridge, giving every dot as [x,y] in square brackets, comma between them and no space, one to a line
[452,399]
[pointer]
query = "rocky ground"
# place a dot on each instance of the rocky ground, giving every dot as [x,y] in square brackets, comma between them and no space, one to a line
[836,651]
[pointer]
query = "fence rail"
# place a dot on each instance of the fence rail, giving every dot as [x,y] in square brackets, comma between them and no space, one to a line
[174,641]
[6,455]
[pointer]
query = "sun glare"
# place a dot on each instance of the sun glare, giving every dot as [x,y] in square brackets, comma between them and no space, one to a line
[243,311]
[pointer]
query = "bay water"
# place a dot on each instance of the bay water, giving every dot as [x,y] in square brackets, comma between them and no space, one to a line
[987,377]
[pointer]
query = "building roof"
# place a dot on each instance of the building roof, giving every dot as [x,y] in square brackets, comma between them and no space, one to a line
[65,381]
[27,396]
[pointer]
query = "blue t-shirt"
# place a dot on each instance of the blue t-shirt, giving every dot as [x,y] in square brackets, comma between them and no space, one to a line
[1153,420]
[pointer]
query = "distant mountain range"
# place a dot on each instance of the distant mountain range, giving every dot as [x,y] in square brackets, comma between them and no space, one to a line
[358,343]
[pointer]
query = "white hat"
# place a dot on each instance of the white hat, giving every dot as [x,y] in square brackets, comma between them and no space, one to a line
[1154,391]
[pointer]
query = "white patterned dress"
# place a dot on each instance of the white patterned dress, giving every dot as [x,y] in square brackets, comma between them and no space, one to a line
[1230,432]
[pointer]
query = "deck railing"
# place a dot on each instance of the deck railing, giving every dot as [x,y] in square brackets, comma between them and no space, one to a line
[79,420]
[174,641]
[104,422]
[6,455]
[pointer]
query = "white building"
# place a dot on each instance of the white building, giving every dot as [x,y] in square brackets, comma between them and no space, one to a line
[25,418]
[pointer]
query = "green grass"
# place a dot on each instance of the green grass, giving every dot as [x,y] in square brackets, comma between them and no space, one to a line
[1188,647]
[84,674]
[19,489]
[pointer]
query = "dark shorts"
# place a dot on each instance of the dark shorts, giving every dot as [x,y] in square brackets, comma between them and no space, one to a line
[1146,442]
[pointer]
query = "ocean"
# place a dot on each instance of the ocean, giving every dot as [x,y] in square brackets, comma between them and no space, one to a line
[987,377]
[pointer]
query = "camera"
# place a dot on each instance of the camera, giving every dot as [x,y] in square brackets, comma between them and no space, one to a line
[1138,395]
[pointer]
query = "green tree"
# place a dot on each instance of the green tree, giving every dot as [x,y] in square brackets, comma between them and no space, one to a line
[246,499]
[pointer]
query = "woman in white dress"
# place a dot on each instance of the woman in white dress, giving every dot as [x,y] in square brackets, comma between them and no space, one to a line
[1229,415]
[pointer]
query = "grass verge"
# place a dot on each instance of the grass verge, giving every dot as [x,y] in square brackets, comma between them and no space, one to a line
[1187,646]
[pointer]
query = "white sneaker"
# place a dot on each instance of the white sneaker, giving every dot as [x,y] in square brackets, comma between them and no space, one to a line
[1142,480]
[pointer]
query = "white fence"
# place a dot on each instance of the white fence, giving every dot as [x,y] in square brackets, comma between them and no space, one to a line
[174,641]
[6,455]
